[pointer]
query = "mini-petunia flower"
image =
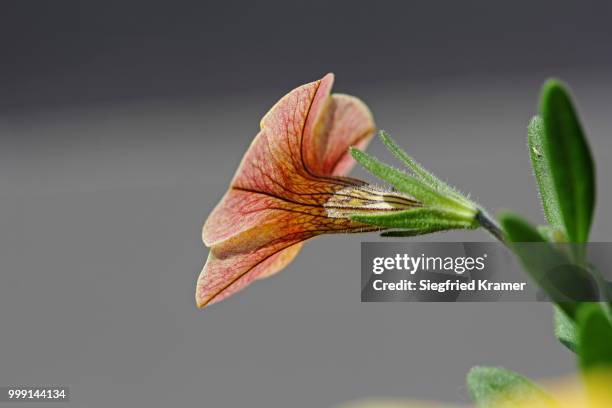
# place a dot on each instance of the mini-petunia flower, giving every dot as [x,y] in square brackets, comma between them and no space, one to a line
[291,186]
[276,199]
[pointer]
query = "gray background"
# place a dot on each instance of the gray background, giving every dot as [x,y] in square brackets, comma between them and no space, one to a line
[122,123]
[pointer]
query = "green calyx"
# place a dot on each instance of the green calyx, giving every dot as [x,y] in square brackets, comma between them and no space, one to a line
[441,206]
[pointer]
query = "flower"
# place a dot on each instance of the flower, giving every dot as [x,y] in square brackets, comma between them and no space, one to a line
[277,197]
[291,186]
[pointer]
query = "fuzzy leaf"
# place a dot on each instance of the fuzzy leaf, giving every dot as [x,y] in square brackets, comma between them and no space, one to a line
[565,330]
[419,219]
[595,335]
[404,182]
[542,171]
[494,387]
[569,157]
[412,164]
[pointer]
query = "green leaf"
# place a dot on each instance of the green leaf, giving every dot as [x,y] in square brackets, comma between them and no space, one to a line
[541,168]
[570,161]
[404,182]
[412,164]
[595,337]
[420,219]
[519,230]
[494,387]
[548,266]
[565,330]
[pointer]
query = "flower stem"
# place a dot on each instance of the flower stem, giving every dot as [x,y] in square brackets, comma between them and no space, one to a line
[490,225]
